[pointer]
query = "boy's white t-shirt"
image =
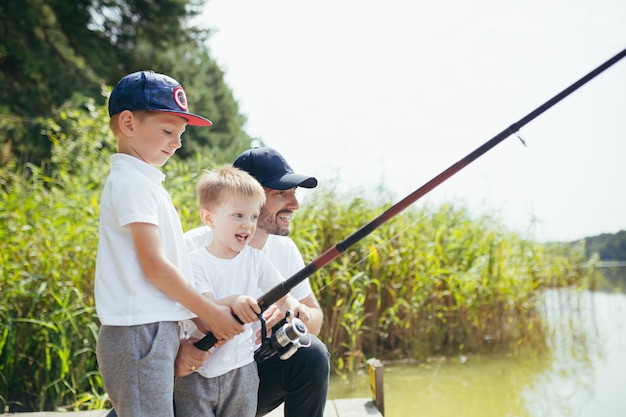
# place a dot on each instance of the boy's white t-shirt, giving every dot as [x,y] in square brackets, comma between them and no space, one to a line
[133,193]
[281,251]
[247,273]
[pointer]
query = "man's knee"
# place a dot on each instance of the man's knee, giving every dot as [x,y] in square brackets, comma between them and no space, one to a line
[315,358]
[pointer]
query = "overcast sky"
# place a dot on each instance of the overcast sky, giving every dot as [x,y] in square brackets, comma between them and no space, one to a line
[393,92]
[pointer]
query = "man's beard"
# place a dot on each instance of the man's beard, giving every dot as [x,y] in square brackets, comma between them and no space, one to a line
[269,224]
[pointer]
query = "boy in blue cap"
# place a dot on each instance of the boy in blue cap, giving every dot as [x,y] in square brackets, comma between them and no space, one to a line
[144,281]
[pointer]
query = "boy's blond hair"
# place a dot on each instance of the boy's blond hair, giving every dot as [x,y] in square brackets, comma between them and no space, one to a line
[215,187]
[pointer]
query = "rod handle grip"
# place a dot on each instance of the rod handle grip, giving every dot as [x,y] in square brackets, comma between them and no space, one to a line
[209,340]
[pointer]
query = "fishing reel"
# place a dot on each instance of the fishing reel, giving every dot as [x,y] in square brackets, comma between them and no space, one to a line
[288,335]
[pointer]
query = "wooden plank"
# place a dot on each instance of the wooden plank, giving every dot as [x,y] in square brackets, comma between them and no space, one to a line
[352,407]
[349,407]
[356,407]
[93,413]
[329,410]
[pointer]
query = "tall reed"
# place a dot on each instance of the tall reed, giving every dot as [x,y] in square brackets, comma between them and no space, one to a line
[47,315]
[48,240]
[433,280]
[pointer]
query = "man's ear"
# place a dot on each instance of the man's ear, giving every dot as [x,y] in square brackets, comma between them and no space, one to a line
[207,217]
[125,121]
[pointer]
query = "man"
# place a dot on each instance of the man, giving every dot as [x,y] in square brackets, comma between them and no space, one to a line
[301,381]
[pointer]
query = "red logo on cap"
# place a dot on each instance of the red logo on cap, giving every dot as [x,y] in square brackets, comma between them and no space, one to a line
[180,98]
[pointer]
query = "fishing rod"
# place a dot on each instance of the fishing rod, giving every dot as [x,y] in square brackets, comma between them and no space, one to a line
[331,254]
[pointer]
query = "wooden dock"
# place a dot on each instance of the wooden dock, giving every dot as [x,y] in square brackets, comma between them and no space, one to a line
[348,407]
[352,407]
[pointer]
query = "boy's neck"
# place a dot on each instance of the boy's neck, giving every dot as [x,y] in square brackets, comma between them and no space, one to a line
[220,252]
[259,239]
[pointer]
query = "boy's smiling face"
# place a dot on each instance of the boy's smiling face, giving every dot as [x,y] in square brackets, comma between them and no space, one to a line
[233,224]
[152,137]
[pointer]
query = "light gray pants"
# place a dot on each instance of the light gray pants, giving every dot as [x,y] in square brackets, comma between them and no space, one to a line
[137,366]
[233,394]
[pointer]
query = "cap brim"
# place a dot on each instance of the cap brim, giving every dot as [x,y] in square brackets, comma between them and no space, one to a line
[192,119]
[288,181]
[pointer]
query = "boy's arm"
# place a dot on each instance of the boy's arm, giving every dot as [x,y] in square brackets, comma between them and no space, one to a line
[167,278]
[245,308]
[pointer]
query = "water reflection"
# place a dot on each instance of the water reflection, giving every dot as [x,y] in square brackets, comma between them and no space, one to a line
[586,377]
[583,374]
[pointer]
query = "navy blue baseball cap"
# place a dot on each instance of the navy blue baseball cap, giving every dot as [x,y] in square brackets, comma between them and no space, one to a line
[271,170]
[151,91]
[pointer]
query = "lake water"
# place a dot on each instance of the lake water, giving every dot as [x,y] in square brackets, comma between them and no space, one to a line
[583,373]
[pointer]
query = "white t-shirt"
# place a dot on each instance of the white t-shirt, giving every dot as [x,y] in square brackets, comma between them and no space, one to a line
[281,250]
[249,273]
[133,193]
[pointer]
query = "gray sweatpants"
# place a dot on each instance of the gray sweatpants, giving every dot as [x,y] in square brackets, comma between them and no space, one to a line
[233,394]
[137,366]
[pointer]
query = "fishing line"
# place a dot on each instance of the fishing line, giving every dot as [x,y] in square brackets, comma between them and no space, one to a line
[331,254]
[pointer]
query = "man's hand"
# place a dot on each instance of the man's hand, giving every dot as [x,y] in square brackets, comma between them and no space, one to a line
[272,316]
[303,312]
[189,358]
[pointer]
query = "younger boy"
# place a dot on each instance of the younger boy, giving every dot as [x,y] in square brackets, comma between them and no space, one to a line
[143,279]
[229,270]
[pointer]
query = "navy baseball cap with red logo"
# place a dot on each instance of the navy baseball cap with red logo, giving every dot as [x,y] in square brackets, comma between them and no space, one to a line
[151,91]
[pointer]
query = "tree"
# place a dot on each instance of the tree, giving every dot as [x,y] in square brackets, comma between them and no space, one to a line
[609,246]
[52,49]
[208,95]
